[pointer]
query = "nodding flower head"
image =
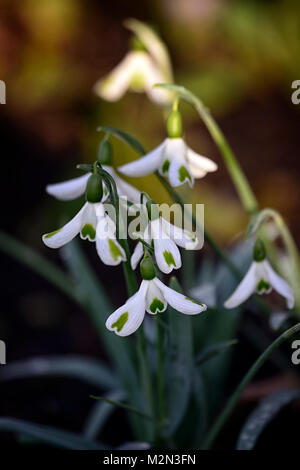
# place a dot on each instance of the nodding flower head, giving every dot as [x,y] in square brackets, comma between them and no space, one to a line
[172,158]
[153,296]
[261,279]
[141,68]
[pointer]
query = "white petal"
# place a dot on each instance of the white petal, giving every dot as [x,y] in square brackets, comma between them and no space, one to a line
[108,247]
[115,84]
[126,189]
[89,223]
[68,190]
[166,252]
[137,255]
[246,287]
[175,163]
[65,234]
[144,165]
[128,318]
[183,238]
[280,285]
[199,165]
[155,301]
[180,302]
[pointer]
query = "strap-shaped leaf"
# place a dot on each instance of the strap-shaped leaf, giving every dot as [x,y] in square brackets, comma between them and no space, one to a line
[262,415]
[49,435]
[88,370]
[100,413]
[124,137]
[179,365]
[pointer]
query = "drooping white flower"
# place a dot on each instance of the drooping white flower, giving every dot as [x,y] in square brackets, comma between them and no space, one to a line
[172,158]
[165,237]
[261,279]
[75,187]
[92,223]
[153,296]
[140,69]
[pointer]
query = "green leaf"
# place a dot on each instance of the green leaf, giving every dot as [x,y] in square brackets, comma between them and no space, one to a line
[179,365]
[124,406]
[124,137]
[49,435]
[214,350]
[88,370]
[262,415]
[100,413]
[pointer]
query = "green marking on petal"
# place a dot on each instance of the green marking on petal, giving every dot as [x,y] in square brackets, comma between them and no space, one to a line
[194,301]
[165,166]
[51,234]
[114,250]
[169,258]
[184,174]
[88,231]
[156,305]
[263,286]
[119,324]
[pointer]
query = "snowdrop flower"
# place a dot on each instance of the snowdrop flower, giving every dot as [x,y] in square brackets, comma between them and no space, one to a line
[93,224]
[164,237]
[260,278]
[140,69]
[172,158]
[153,296]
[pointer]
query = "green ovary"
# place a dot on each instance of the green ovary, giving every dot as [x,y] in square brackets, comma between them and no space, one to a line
[156,305]
[114,250]
[183,174]
[88,231]
[169,258]
[119,324]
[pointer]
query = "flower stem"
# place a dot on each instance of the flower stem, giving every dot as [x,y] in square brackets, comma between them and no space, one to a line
[219,423]
[160,373]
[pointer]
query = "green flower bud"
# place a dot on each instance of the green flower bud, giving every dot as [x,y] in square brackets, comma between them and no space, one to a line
[147,269]
[152,209]
[174,125]
[259,251]
[94,189]
[105,153]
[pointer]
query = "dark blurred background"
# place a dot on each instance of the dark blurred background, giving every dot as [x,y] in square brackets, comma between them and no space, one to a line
[240,57]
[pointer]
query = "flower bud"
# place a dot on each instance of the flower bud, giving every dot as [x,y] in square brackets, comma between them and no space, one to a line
[94,189]
[174,125]
[152,209]
[105,153]
[259,251]
[147,269]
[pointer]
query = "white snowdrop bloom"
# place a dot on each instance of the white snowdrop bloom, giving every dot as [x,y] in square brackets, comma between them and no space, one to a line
[153,296]
[73,188]
[260,278]
[172,158]
[140,69]
[92,223]
[164,237]
[136,72]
